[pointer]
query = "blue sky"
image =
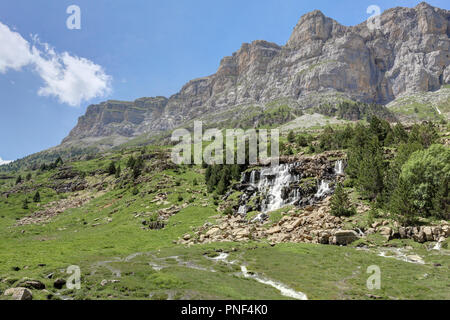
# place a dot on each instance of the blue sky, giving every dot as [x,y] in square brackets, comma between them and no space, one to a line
[130,49]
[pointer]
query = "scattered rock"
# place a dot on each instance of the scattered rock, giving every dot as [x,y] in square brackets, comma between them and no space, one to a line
[32,284]
[19,293]
[59,283]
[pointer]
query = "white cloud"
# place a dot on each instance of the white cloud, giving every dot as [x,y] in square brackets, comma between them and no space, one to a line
[14,52]
[69,78]
[2,162]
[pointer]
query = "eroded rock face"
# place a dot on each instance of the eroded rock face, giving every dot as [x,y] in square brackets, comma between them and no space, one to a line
[409,53]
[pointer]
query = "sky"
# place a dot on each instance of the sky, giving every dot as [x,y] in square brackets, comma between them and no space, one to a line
[125,50]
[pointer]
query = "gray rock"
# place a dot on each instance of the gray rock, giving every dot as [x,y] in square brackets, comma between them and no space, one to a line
[344,237]
[59,283]
[19,293]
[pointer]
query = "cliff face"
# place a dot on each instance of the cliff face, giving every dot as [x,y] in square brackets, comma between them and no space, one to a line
[408,53]
[121,118]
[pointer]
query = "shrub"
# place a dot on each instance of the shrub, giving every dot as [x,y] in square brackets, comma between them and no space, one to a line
[427,174]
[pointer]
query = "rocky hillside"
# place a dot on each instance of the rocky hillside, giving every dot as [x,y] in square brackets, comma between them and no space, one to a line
[322,62]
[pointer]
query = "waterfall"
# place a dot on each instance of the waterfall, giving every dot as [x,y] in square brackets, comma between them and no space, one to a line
[438,245]
[339,168]
[324,188]
[273,182]
[253,177]
[242,210]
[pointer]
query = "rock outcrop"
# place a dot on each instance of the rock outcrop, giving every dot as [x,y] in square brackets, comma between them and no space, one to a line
[322,61]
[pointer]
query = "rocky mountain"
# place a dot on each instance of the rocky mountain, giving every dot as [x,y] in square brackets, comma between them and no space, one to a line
[323,62]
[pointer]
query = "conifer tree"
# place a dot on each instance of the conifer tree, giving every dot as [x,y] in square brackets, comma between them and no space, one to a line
[112,168]
[340,203]
[37,197]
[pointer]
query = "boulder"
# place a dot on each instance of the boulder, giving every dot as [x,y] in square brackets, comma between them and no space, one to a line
[274,230]
[386,232]
[428,233]
[19,293]
[32,284]
[344,237]
[59,283]
[212,232]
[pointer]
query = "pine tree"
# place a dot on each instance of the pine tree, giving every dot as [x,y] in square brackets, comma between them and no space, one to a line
[340,203]
[58,162]
[401,204]
[131,162]
[208,172]
[19,179]
[112,168]
[236,172]
[222,186]
[37,197]
[371,170]
[118,172]
[302,141]
[291,136]
[25,204]
[28,177]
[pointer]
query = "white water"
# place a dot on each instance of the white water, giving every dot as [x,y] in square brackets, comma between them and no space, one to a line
[242,210]
[339,168]
[285,291]
[438,245]
[272,181]
[260,218]
[324,188]
[399,254]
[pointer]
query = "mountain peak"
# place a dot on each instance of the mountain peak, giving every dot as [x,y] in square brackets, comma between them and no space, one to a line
[314,26]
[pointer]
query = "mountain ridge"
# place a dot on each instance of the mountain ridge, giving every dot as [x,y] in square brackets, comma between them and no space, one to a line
[323,63]
[321,60]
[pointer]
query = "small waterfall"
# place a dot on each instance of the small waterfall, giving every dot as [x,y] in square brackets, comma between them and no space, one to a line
[242,210]
[253,177]
[274,182]
[324,189]
[438,245]
[260,218]
[339,168]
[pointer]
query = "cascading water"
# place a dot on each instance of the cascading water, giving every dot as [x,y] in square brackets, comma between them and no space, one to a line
[339,168]
[324,189]
[271,188]
[273,182]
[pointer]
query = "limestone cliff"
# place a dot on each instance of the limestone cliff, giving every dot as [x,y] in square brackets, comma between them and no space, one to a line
[322,60]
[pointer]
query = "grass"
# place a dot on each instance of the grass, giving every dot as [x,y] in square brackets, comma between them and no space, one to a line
[109,228]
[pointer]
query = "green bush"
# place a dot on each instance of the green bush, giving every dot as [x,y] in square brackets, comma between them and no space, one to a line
[426,175]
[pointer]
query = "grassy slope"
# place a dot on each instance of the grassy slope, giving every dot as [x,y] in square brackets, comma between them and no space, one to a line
[322,272]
